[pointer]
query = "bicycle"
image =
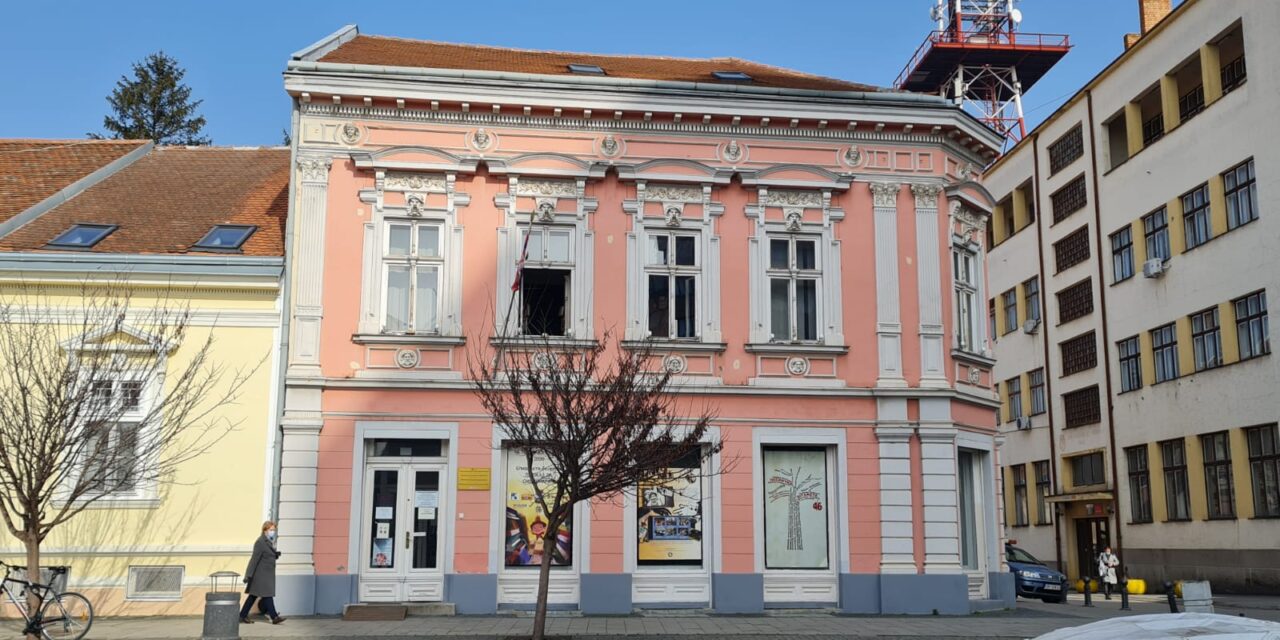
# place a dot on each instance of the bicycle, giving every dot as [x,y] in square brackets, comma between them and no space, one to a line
[64,616]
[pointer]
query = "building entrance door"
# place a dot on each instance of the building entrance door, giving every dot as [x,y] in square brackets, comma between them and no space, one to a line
[403,530]
[1092,536]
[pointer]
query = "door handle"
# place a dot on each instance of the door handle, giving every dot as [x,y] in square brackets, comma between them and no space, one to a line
[407,537]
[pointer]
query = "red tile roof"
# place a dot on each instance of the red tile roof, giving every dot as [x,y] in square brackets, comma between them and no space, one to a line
[398,52]
[32,170]
[168,200]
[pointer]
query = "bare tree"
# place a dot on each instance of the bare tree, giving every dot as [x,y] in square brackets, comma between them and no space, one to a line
[90,406]
[592,423]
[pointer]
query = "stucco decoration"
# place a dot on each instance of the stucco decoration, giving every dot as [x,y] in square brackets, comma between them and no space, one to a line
[398,181]
[545,211]
[672,193]
[314,168]
[673,215]
[797,366]
[674,364]
[732,152]
[609,146]
[794,219]
[926,195]
[407,358]
[852,156]
[542,360]
[972,226]
[546,189]
[885,194]
[975,375]
[481,139]
[794,198]
[414,205]
[350,133]
[967,171]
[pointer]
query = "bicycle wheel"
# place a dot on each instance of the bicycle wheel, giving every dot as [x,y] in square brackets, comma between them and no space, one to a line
[66,617]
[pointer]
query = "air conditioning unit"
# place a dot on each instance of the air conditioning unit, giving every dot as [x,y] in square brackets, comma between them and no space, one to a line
[1023,422]
[1031,325]
[1153,268]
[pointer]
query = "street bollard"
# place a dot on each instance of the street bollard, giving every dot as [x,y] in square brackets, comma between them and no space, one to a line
[222,608]
[1173,599]
[1124,594]
[1088,600]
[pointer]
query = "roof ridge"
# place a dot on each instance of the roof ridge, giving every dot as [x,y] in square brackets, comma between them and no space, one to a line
[553,51]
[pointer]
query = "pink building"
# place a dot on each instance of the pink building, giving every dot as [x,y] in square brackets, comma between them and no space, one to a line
[805,253]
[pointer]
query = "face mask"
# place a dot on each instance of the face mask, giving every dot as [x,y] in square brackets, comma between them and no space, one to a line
[271,535]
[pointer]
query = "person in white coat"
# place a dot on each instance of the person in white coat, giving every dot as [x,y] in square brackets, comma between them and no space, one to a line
[1107,563]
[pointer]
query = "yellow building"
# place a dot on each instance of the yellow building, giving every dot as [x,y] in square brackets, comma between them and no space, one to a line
[195,228]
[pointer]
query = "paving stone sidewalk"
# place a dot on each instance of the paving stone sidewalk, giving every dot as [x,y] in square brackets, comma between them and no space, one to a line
[1028,621]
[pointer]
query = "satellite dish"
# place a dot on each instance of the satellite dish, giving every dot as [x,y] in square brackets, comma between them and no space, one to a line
[1015,15]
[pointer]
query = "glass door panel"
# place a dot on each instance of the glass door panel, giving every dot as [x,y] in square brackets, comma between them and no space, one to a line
[425,526]
[382,518]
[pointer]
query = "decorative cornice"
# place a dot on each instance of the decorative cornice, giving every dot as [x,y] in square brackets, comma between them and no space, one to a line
[672,193]
[793,198]
[407,181]
[885,194]
[926,194]
[314,168]
[547,188]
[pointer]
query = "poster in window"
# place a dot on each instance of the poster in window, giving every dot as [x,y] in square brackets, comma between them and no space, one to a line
[795,508]
[527,532]
[669,516]
[382,554]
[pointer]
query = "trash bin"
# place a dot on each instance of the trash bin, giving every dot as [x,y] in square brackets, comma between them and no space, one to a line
[222,607]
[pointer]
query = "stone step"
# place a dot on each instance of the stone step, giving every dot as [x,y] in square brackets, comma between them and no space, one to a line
[424,609]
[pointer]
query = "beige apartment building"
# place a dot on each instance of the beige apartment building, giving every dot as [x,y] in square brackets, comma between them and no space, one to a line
[1134,262]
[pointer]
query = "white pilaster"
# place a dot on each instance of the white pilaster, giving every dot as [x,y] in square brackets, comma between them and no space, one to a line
[932,363]
[307,255]
[300,446]
[897,535]
[888,316]
[939,495]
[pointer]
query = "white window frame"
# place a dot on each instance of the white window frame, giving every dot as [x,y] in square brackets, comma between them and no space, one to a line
[794,275]
[413,261]
[671,271]
[969,288]
[544,232]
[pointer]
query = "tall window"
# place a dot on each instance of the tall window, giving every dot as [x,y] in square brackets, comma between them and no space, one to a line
[1139,484]
[1155,227]
[1013,388]
[1122,255]
[672,270]
[1164,345]
[1087,470]
[964,265]
[1264,466]
[1043,515]
[411,267]
[1037,391]
[1009,304]
[111,450]
[1242,194]
[1020,496]
[1252,329]
[1217,475]
[794,277]
[991,318]
[1031,298]
[545,281]
[1130,364]
[1206,339]
[1195,216]
[1177,498]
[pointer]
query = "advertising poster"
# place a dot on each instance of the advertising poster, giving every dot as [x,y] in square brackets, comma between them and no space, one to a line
[527,534]
[795,509]
[382,553]
[669,517]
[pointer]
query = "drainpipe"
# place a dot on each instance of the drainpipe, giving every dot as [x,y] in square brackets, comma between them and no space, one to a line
[285,307]
[1044,343]
[1106,340]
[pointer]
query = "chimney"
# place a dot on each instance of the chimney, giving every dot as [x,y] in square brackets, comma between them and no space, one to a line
[1150,13]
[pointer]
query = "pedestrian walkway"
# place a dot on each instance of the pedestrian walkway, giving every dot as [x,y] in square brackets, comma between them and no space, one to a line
[1028,621]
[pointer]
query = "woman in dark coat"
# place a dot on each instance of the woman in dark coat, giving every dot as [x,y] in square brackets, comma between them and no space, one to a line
[261,576]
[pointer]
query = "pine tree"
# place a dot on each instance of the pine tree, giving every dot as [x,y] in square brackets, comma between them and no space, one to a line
[154,104]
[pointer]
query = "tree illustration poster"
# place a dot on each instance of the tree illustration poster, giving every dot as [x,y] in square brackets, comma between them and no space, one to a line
[527,535]
[795,509]
[669,517]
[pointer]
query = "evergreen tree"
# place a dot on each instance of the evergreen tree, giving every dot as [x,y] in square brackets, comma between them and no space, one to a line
[154,104]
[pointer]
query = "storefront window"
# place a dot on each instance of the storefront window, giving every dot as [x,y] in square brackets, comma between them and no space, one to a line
[795,508]
[527,533]
[669,516]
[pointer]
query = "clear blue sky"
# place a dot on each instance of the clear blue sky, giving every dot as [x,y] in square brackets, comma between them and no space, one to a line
[65,57]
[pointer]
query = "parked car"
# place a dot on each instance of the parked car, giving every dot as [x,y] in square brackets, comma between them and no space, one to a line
[1034,579]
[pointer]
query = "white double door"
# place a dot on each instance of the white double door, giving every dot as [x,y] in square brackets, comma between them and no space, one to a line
[403,532]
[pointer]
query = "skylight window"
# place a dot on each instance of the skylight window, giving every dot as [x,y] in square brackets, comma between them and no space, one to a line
[731,76]
[226,237]
[588,69]
[82,236]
